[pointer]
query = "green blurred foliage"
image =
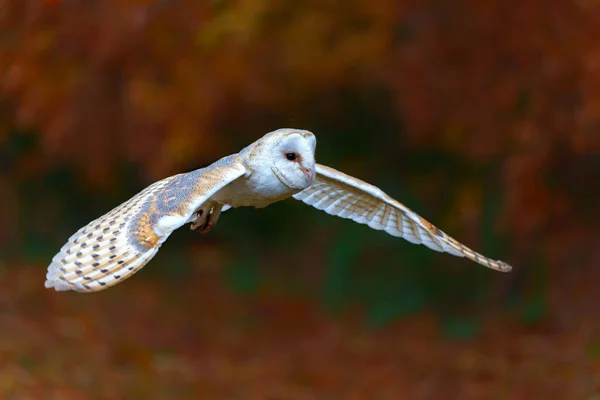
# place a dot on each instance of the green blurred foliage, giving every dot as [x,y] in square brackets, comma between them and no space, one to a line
[482,116]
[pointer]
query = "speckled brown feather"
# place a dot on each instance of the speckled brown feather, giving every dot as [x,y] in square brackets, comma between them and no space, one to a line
[118,244]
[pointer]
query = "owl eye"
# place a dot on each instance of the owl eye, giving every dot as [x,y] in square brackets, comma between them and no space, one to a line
[290,156]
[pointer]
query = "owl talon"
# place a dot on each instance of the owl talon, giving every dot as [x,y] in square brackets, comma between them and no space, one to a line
[206,218]
[206,228]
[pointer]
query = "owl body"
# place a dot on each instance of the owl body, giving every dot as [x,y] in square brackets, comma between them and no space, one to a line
[278,166]
[255,191]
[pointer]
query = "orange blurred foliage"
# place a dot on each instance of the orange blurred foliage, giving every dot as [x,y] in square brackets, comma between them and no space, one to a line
[169,85]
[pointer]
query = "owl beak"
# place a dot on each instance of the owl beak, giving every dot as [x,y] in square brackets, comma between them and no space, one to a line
[308,173]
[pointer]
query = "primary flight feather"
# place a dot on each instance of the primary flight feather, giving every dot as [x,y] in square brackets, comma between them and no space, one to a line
[279,165]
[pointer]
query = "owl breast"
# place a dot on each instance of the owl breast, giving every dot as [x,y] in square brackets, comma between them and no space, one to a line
[257,190]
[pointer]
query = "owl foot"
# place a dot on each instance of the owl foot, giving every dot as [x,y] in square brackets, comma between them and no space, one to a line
[206,217]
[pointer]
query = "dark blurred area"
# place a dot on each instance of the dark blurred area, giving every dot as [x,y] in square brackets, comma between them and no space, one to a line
[482,116]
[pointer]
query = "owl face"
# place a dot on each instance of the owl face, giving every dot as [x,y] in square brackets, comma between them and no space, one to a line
[292,157]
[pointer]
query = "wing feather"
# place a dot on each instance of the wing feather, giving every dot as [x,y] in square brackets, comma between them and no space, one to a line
[118,244]
[339,194]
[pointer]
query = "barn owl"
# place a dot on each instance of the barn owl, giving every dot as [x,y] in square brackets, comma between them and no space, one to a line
[280,165]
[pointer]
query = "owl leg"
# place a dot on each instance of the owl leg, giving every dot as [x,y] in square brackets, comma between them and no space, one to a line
[206,217]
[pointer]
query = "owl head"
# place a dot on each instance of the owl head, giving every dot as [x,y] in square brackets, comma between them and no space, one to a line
[289,154]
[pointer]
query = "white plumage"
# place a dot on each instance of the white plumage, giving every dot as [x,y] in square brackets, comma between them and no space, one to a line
[279,165]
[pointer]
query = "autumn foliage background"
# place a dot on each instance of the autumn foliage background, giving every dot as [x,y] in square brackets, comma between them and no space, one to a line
[483,116]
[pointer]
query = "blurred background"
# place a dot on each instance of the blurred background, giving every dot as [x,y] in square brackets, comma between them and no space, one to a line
[482,116]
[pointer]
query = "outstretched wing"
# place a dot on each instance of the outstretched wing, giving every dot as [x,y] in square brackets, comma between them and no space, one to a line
[116,245]
[339,194]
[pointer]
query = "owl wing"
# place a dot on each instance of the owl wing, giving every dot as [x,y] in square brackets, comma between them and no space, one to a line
[118,244]
[339,194]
